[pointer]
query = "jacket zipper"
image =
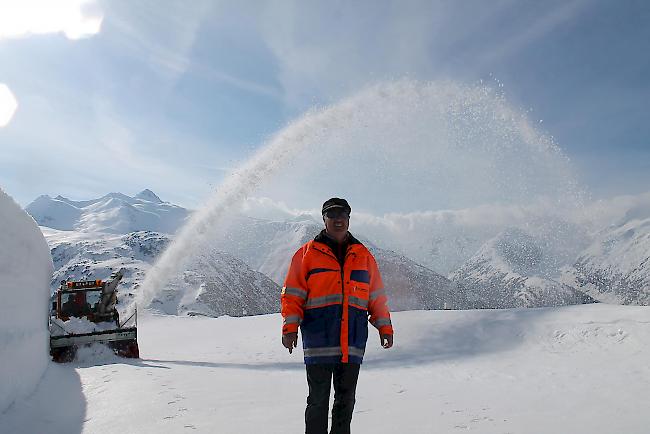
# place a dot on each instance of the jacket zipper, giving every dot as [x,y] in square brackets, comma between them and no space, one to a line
[347,252]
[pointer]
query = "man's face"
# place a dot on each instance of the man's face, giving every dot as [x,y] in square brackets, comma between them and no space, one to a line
[337,221]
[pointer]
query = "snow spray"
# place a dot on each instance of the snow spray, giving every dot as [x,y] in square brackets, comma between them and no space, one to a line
[400,146]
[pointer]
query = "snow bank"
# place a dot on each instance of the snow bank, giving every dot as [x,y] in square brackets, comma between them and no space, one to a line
[25,273]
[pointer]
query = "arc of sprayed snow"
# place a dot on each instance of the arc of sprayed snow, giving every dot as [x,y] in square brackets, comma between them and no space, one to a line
[292,140]
[235,189]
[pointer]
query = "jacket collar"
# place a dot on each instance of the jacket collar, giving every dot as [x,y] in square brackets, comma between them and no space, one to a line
[328,246]
[323,238]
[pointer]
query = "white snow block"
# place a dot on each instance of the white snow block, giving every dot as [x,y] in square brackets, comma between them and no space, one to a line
[25,273]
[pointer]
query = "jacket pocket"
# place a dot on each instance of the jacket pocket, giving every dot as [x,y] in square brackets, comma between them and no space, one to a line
[314,329]
[321,327]
[358,330]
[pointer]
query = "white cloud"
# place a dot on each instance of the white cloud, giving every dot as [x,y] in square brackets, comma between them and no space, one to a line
[444,239]
[537,29]
[74,18]
[327,50]
[160,33]
[8,105]
[270,209]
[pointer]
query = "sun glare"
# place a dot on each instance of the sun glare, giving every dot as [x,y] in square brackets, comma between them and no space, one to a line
[74,18]
[8,105]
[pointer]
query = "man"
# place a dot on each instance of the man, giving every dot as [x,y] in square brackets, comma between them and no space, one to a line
[332,287]
[76,305]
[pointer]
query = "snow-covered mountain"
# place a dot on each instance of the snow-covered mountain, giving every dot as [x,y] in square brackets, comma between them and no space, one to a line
[217,284]
[519,267]
[268,246]
[515,269]
[83,255]
[411,286]
[114,213]
[615,268]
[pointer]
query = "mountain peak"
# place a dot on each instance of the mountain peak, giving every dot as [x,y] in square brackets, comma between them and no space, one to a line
[148,195]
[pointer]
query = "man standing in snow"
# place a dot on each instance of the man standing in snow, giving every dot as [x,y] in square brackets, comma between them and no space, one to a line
[331,291]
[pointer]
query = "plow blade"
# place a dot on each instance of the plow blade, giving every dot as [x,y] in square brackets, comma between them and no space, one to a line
[124,343]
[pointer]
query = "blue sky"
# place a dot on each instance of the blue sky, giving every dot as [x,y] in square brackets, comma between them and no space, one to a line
[172,98]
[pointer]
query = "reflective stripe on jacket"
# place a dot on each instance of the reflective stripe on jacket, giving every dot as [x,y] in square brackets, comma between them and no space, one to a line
[331,304]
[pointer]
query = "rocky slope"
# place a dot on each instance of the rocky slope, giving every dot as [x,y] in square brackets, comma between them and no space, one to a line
[268,246]
[411,286]
[514,270]
[615,268]
[217,284]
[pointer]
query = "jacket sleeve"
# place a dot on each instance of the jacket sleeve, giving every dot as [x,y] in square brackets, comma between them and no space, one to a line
[294,294]
[378,301]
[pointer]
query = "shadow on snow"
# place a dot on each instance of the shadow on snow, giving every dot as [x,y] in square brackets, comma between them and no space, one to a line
[57,405]
[483,333]
[290,366]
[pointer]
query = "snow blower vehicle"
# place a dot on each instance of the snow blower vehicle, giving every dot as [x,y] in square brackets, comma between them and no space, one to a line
[84,312]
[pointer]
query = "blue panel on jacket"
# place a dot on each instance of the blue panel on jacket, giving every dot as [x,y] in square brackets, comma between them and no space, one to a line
[316,271]
[321,327]
[358,330]
[360,276]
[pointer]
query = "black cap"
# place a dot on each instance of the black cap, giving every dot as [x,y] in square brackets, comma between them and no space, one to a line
[336,202]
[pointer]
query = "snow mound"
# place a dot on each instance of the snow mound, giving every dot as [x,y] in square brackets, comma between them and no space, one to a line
[79,326]
[25,272]
[95,354]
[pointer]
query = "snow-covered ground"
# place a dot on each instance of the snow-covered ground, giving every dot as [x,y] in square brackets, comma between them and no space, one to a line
[579,369]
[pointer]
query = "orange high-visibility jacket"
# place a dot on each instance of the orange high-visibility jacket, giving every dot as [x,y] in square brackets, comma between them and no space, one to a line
[331,304]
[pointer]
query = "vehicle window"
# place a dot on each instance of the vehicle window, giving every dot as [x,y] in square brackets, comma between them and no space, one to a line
[67,298]
[93,297]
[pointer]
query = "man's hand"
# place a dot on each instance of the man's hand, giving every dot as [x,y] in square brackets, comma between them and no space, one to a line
[290,341]
[386,341]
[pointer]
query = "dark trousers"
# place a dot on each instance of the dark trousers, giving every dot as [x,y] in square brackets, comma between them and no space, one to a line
[319,380]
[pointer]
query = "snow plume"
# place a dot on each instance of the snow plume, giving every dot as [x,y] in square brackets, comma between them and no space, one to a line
[410,146]
[399,147]
[211,220]
[25,273]
[444,239]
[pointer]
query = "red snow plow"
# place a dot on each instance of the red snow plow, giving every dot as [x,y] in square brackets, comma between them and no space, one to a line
[84,313]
